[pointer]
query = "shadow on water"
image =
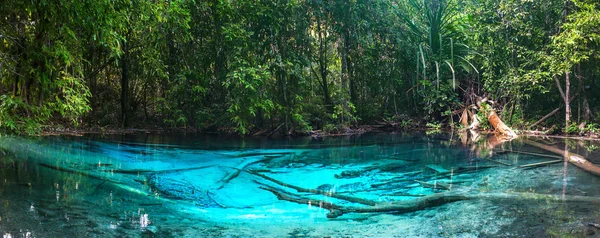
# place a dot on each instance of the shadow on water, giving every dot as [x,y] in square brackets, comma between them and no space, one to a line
[382,185]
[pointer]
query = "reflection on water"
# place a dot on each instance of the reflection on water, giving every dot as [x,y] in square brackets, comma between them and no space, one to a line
[371,185]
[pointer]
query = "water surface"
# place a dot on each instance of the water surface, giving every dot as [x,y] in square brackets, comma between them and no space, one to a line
[210,186]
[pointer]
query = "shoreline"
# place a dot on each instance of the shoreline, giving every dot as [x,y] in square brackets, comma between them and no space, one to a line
[363,129]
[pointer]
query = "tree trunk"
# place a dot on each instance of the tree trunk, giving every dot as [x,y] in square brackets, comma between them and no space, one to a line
[344,52]
[565,96]
[512,111]
[586,108]
[567,101]
[124,85]
[323,69]
[352,84]
[499,125]
[501,128]
[171,66]
[545,117]
[344,49]
[573,158]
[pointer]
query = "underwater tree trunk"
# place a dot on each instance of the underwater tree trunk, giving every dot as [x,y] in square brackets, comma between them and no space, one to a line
[429,201]
[573,158]
[323,70]
[124,86]
[315,191]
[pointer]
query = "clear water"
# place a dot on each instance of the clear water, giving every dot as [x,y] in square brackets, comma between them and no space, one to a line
[207,186]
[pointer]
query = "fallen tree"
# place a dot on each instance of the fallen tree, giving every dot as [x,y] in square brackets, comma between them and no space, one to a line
[484,105]
[429,201]
[499,126]
[573,158]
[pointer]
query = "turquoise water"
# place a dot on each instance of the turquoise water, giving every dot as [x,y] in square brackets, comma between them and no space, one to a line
[372,185]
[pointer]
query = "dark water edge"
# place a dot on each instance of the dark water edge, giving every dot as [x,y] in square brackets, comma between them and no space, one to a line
[88,197]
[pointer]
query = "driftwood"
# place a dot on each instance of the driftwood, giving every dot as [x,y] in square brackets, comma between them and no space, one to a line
[573,158]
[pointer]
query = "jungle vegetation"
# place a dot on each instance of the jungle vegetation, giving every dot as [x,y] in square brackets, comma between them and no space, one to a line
[245,66]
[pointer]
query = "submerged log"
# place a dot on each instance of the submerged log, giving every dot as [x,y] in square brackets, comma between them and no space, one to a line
[573,158]
[529,153]
[435,185]
[535,165]
[497,162]
[320,192]
[145,171]
[433,200]
[236,171]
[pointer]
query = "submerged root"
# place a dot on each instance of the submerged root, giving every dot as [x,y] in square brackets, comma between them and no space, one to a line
[319,192]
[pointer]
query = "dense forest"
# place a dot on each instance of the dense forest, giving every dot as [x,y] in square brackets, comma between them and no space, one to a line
[246,66]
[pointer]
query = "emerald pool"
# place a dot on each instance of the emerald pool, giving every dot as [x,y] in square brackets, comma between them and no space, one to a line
[372,185]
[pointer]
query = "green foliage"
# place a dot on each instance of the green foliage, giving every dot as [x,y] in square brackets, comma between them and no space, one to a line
[11,119]
[249,65]
[433,126]
[73,102]
[483,121]
[439,99]
[591,128]
[592,148]
[247,99]
[572,129]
